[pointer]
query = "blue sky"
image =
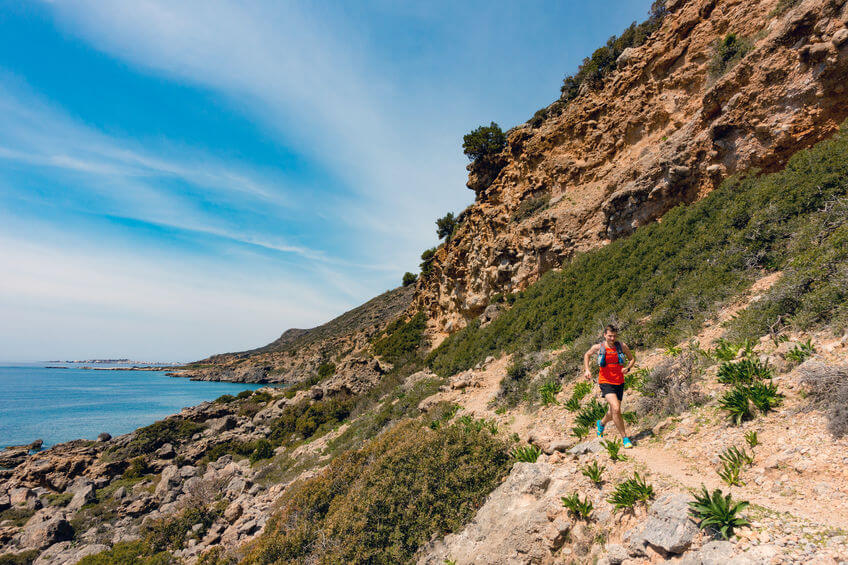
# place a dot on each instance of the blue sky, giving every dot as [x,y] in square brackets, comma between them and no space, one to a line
[185,178]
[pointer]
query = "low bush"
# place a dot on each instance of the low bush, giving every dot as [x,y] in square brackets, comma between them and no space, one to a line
[138,468]
[635,379]
[401,340]
[409,278]
[326,370]
[764,396]
[22,558]
[129,553]
[170,430]
[671,387]
[306,418]
[718,513]
[828,392]
[580,509]
[379,504]
[224,399]
[728,51]
[783,6]
[613,449]
[262,449]
[733,460]
[751,439]
[172,532]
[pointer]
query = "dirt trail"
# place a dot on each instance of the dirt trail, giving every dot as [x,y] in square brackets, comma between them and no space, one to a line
[668,463]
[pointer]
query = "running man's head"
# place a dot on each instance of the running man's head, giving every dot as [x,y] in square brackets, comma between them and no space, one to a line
[610,333]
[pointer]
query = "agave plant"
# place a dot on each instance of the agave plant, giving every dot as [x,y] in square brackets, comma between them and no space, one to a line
[718,513]
[614,450]
[572,404]
[735,403]
[801,352]
[548,392]
[590,413]
[629,417]
[730,474]
[744,371]
[764,396]
[752,439]
[581,389]
[581,509]
[580,431]
[635,379]
[593,472]
[631,491]
[526,453]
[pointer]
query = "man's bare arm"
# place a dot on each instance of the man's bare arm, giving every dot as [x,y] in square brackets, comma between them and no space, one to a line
[630,356]
[587,370]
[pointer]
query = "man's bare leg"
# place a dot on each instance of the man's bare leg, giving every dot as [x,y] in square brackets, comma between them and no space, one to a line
[614,413]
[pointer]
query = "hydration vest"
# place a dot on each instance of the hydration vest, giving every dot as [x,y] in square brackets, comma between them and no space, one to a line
[602,354]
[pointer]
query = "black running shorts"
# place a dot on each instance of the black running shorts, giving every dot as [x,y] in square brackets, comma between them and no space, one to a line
[617,390]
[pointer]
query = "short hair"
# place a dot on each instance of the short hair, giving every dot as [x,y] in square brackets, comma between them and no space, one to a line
[611,328]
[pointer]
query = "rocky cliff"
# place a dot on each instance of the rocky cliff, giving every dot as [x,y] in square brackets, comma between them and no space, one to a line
[664,128]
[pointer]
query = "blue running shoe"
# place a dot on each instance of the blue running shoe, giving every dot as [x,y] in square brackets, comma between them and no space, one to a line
[600,428]
[627,443]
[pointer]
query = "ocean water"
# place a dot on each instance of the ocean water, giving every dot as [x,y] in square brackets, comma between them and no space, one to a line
[59,405]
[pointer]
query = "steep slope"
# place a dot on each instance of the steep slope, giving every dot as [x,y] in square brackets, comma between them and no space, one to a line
[662,129]
[336,347]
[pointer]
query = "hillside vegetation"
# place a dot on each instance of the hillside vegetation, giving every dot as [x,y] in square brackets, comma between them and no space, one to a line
[660,283]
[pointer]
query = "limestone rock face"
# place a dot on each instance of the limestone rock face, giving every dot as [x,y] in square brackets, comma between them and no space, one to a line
[660,131]
[522,521]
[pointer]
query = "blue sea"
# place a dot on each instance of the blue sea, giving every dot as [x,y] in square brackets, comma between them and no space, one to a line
[58,405]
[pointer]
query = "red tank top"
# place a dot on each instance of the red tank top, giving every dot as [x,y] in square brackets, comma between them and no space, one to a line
[611,373]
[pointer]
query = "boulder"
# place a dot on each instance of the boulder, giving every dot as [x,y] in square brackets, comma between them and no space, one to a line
[44,529]
[591,446]
[83,494]
[223,424]
[717,552]
[104,437]
[169,479]
[5,502]
[20,496]
[166,452]
[64,553]
[616,553]
[669,527]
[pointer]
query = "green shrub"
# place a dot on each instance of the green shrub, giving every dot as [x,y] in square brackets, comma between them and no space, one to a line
[306,418]
[224,399]
[783,6]
[326,370]
[526,453]
[445,226]
[581,389]
[22,558]
[593,472]
[732,460]
[572,404]
[631,491]
[152,437]
[629,417]
[718,513]
[129,553]
[614,450]
[591,413]
[172,532]
[548,392]
[666,278]
[409,278]
[59,498]
[743,372]
[483,142]
[516,382]
[262,450]
[735,403]
[727,52]
[138,468]
[426,264]
[603,61]
[401,340]
[730,474]
[671,387]
[379,504]
[635,379]
[244,394]
[580,509]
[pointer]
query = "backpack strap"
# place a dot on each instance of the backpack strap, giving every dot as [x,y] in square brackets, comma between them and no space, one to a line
[622,358]
[602,354]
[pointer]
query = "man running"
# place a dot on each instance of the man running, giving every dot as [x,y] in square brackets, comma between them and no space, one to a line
[612,362]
